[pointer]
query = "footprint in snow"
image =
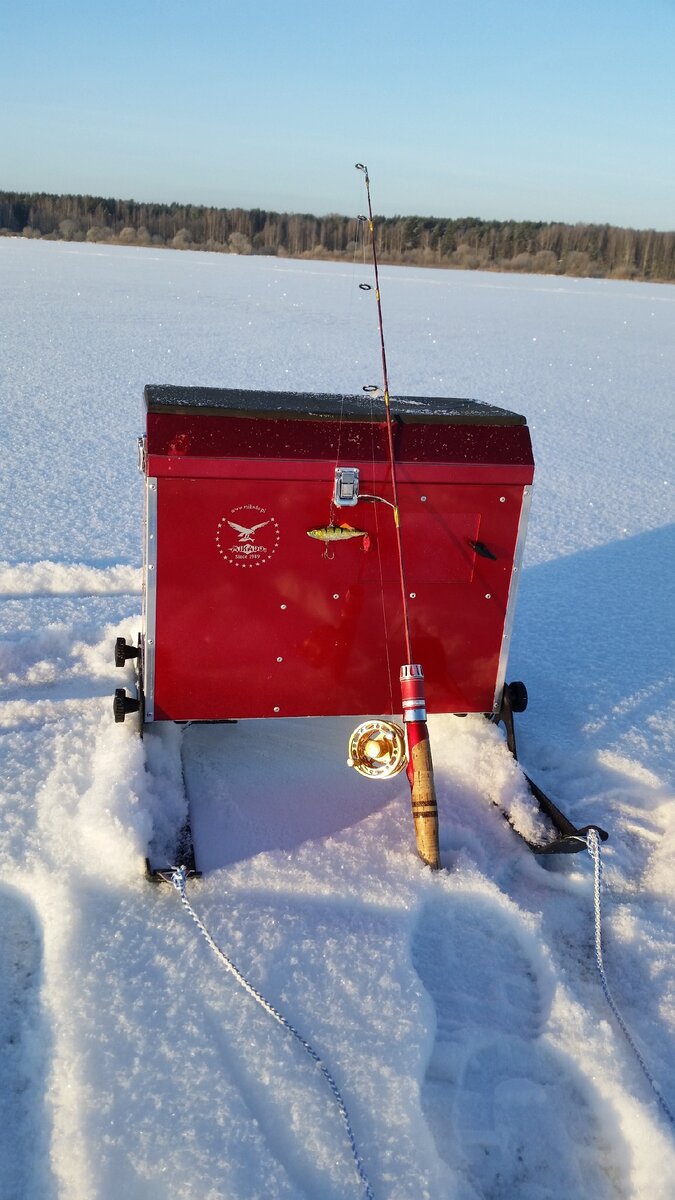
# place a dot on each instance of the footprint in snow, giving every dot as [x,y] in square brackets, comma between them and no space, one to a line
[505,1111]
[24,1126]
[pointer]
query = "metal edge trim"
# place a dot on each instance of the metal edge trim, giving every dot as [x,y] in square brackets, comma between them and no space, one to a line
[513,595]
[150,596]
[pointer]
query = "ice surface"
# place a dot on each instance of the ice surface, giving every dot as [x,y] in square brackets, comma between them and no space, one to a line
[460,1012]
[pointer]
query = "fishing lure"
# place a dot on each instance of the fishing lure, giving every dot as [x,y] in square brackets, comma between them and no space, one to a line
[336,533]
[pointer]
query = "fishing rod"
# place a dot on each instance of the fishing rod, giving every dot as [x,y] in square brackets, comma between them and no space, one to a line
[420,770]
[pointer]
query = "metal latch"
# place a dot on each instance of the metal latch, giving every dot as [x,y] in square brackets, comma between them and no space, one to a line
[346,493]
[142,454]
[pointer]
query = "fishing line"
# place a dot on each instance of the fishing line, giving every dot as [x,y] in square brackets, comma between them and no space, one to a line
[359,251]
[387,408]
[378,547]
[359,243]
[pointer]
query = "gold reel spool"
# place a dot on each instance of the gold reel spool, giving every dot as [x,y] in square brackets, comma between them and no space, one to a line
[377,749]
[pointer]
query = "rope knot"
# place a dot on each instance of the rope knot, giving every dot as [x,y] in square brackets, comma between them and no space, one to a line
[593,841]
[179,880]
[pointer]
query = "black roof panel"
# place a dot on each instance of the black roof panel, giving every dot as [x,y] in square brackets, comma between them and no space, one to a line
[365,406]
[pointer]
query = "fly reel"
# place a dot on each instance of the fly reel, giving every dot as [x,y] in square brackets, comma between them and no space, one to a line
[377,749]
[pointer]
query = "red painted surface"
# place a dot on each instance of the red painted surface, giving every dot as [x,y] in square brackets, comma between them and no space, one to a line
[194,436]
[261,623]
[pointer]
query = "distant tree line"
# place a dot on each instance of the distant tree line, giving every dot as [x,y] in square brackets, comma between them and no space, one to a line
[468,242]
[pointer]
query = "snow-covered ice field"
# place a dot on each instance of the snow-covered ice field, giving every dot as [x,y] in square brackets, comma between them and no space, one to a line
[460,1013]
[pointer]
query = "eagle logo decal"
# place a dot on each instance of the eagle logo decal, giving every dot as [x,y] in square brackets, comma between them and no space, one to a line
[247,537]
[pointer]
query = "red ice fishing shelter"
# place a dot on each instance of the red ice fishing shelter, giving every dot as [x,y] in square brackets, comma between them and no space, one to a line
[245,615]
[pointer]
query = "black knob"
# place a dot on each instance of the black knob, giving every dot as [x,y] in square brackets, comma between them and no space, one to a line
[123,652]
[123,704]
[517,696]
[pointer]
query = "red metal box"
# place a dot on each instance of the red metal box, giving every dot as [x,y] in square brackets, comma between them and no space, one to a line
[245,615]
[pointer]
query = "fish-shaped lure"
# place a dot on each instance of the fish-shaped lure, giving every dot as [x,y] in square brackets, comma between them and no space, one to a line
[338,533]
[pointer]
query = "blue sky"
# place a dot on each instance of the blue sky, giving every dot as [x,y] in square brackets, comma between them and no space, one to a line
[519,109]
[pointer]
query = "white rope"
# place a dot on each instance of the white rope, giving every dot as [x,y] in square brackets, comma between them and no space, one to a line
[593,844]
[179,879]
